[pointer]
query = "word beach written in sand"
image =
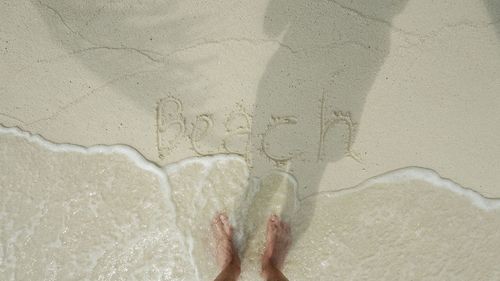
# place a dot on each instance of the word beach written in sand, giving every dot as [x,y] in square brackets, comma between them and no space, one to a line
[173,127]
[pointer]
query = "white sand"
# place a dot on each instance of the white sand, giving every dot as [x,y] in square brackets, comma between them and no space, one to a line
[318,95]
[425,95]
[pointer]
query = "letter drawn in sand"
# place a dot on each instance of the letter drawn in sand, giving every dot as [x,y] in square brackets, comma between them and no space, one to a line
[201,126]
[338,117]
[170,125]
[276,122]
[237,136]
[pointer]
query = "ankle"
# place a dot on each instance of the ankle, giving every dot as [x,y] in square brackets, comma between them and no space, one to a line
[267,269]
[235,266]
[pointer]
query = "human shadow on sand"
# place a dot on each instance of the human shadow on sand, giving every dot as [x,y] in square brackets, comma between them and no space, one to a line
[132,46]
[311,96]
[309,100]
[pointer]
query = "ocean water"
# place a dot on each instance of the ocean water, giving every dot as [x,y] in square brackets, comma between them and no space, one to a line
[106,213]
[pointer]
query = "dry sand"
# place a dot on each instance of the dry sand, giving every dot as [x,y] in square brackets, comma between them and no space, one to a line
[307,98]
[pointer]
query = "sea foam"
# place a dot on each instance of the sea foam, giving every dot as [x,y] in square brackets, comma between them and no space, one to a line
[222,161]
[399,175]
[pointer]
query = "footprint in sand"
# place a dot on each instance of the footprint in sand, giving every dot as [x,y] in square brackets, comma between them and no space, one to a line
[170,125]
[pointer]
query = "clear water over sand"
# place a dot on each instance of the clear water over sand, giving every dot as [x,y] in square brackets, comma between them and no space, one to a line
[116,216]
[321,111]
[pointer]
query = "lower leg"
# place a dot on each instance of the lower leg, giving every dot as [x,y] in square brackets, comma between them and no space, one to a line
[230,273]
[278,242]
[226,253]
[273,274]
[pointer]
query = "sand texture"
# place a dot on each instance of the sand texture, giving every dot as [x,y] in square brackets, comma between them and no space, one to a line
[126,125]
[117,218]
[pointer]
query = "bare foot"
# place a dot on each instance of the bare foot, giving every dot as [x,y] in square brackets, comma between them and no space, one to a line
[225,252]
[278,243]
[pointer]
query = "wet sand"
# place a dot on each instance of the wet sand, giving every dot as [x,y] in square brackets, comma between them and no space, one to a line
[270,106]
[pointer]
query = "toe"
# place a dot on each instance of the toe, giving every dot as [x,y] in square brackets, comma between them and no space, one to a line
[223,217]
[226,225]
[270,222]
[274,220]
[217,217]
[220,230]
[219,226]
[269,225]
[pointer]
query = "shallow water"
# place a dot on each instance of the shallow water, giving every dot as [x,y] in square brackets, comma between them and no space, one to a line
[106,213]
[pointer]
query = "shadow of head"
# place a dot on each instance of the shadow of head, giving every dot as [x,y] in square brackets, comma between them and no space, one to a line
[132,46]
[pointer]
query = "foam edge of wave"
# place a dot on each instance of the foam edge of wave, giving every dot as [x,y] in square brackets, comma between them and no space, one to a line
[131,153]
[414,173]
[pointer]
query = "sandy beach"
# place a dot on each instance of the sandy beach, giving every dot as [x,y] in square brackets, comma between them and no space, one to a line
[371,126]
